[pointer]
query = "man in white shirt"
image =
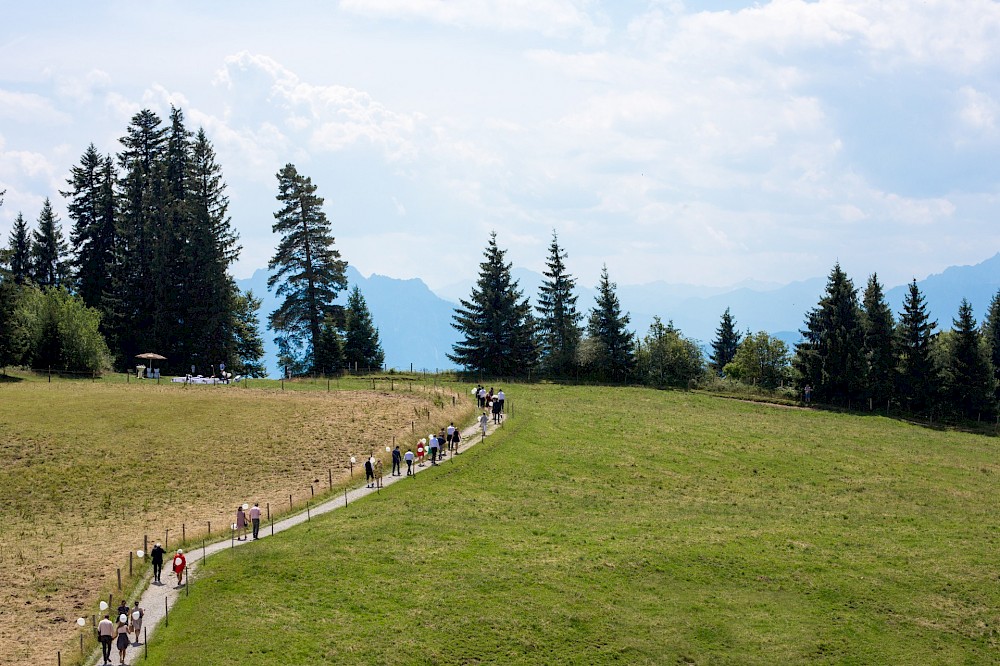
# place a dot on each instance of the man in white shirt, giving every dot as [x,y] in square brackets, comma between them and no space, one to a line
[105,633]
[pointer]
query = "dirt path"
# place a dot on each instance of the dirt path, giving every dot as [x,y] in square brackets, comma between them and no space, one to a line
[157,599]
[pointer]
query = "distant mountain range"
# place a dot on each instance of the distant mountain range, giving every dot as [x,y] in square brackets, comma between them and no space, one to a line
[415,323]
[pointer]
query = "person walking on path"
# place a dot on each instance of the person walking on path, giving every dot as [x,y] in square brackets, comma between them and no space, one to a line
[451,435]
[123,608]
[433,442]
[137,615]
[420,453]
[409,462]
[501,397]
[496,410]
[378,473]
[369,473]
[105,634]
[241,524]
[123,642]
[180,562]
[397,459]
[157,558]
[456,439]
[255,519]
[484,422]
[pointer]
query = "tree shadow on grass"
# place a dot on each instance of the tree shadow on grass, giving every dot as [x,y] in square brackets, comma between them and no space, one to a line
[9,379]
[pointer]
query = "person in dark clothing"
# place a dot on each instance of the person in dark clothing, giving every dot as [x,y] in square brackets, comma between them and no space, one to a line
[157,558]
[397,459]
[369,473]
[496,411]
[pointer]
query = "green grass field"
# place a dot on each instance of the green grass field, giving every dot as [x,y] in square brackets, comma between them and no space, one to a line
[637,527]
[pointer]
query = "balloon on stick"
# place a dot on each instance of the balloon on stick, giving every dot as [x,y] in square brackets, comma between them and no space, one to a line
[104,605]
[80,621]
[140,553]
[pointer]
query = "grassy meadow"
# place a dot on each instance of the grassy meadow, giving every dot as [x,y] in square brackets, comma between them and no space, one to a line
[88,469]
[637,527]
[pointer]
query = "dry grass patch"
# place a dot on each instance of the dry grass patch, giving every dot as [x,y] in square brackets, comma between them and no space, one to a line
[87,470]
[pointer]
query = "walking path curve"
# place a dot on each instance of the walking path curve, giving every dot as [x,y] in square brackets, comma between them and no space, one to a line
[157,599]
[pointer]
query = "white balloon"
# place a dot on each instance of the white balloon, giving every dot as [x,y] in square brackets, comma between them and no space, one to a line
[104,605]
[387,449]
[140,554]
[234,526]
[135,615]
[353,460]
[80,621]
[246,506]
[123,618]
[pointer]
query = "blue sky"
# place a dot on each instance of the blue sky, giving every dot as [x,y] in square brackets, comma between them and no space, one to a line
[706,143]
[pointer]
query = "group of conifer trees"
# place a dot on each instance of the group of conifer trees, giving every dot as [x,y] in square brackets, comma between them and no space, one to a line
[503,335]
[149,252]
[854,352]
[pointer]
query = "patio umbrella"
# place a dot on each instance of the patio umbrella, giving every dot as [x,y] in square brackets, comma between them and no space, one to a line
[151,356]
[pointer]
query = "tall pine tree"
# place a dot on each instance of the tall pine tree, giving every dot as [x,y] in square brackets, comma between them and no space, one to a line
[362,348]
[607,328]
[559,329]
[831,355]
[306,269]
[92,208]
[878,330]
[498,337]
[968,378]
[991,335]
[142,199]
[19,251]
[727,341]
[50,265]
[248,345]
[918,380]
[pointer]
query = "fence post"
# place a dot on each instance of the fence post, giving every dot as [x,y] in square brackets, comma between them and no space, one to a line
[329,477]
[130,564]
[119,579]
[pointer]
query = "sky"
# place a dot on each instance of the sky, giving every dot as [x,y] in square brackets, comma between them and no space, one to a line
[710,143]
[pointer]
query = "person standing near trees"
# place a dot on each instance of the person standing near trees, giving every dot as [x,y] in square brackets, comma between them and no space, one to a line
[180,562]
[255,519]
[157,558]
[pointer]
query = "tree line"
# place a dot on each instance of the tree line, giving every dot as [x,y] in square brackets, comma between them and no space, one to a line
[146,269]
[853,351]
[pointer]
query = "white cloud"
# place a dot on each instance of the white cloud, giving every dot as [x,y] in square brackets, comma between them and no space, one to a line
[30,108]
[554,18]
[978,112]
[333,117]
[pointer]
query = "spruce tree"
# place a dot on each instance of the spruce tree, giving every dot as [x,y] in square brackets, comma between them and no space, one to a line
[991,335]
[248,345]
[559,329]
[306,269]
[918,379]
[141,205]
[92,208]
[212,246]
[49,251]
[496,325]
[19,251]
[878,330]
[727,341]
[362,348]
[330,352]
[831,355]
[968,376]
[608,328]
